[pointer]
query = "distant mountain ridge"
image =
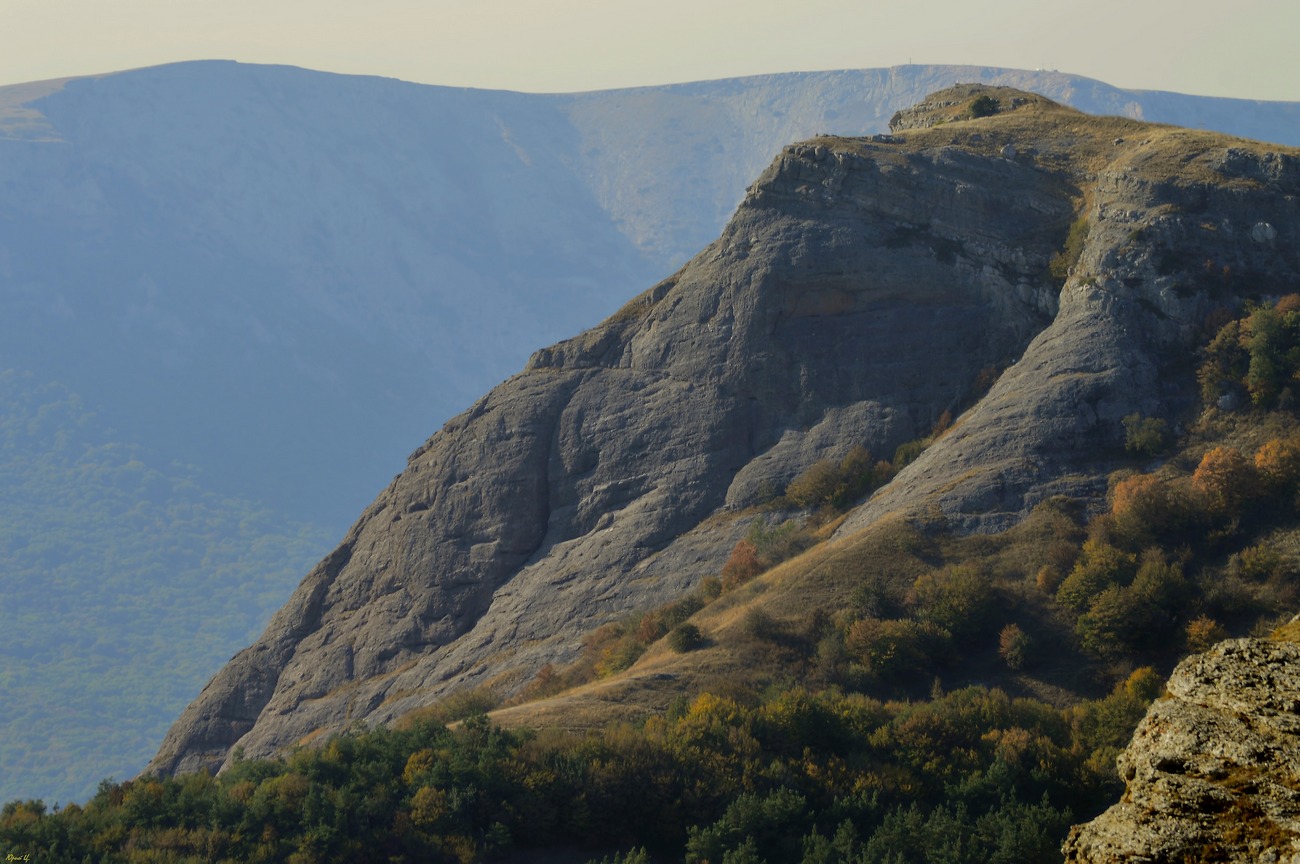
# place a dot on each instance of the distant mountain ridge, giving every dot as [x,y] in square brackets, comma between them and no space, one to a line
[283,279]
[360,257]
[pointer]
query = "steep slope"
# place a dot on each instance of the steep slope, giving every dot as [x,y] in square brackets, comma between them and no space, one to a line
[714,137]
[1178,223]
[858,293]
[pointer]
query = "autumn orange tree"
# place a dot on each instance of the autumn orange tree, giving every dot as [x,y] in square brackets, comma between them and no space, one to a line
[1225,479]
[741,566]
[1278,463]
[1146,508]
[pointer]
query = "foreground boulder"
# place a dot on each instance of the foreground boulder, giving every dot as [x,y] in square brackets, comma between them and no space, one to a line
[1213,770]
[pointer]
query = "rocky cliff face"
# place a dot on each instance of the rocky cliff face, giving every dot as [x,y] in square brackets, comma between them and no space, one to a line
[1177,224]
[862,289]
[1212,770]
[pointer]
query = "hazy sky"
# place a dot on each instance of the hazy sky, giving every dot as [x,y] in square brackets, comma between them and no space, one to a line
[1243,48]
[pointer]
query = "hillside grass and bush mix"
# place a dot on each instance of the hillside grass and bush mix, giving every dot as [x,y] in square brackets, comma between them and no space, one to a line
[960,700]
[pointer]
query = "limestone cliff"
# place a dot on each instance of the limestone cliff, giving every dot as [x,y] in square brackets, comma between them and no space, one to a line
[1213,768]
[861,290]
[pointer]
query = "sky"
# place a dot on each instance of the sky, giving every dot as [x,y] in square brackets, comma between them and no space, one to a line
[1239,48]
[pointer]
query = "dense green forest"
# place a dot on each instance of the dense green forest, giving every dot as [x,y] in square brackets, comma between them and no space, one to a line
[123,587]
[853,749]
[792,777]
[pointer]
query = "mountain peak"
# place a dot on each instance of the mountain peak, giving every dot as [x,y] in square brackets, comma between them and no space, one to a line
[971,102]
[864,289]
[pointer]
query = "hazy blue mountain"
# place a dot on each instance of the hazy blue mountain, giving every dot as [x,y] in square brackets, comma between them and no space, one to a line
[288,278]
[284,280]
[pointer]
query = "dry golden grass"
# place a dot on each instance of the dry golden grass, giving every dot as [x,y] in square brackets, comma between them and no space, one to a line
[890,554]
[1288,632]
[1064,139]
[732,659]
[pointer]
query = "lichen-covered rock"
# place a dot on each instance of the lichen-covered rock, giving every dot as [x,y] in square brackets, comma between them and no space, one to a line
[863,289]
[1213,770]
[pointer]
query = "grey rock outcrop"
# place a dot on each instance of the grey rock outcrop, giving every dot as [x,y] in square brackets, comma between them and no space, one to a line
[1164,249]
[860,291]
[1212,770]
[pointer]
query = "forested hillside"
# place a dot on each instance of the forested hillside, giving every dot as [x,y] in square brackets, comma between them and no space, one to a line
[110,562]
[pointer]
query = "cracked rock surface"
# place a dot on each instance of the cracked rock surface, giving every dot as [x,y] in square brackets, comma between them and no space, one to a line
[1213,770]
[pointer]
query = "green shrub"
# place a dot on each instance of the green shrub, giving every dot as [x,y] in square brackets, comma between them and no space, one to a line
[1048,579]
[465,703]
[1014,647]
[1103,727]
[983,106]
[621,655]
[816,485]
[1125,618]
[1258,562]
[710,589]
[1100,566]
[1159,583]
[774,823]
[1268,367]
[835,484]
[905,454]
[897,649]
[957,599]
[1225,364]
[1145,436]
[1063,262]
[1258,354]
[685,637]
[633,856]
[758,624]
[776,543]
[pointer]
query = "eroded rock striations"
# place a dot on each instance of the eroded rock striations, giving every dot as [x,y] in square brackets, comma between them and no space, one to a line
[1212,771]
[863,288]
